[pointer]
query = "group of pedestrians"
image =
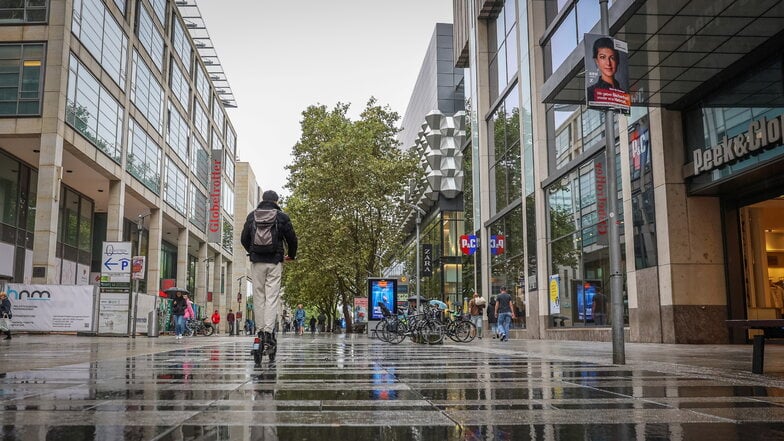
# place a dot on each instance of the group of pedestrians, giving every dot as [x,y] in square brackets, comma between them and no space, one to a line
[500,312]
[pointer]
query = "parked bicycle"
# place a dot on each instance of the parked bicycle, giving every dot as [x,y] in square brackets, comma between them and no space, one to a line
[198,327]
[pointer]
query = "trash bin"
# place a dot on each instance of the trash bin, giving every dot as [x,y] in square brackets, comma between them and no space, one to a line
[152,324]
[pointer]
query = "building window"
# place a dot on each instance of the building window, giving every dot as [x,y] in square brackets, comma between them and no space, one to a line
[583,15]
[218,116]
[23,11]
[504,137]
[102,36]
[74,236]
[200,163]
[228,166]
[502,45]
[147,93]
[159,6]
[149,36]
[144,158]
[643,200]
[202,85]
[200,121]
[92,110]
[181,44]
[21,79]
[176,187]
[227,196]
[198,208]
[179,85]
[120,5]
[178,134]
[228,235]
[231,141]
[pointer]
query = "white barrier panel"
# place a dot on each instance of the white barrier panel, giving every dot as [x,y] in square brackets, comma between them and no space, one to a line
[146,303]
[64,308]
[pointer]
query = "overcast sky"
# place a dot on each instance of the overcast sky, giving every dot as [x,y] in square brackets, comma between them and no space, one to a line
[282,56]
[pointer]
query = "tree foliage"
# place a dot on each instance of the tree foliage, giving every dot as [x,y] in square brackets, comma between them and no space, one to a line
[345,181]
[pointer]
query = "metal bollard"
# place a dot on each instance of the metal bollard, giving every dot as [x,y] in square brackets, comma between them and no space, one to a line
[152,324]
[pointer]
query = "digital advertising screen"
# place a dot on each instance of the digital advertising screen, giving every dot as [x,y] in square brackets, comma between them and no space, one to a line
[585,292]
[384,291]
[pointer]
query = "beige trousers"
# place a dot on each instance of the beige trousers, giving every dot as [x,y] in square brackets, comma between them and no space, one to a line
[266,294]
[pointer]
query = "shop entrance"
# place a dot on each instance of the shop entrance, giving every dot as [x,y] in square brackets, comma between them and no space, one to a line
[762,248]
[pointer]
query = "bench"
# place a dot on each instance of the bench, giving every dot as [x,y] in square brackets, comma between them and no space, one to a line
[771,328]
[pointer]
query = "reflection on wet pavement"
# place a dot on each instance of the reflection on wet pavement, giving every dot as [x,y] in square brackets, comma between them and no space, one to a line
[346,388]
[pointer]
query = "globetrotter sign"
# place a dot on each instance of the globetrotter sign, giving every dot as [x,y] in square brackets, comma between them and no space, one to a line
[216,181]
[762,133]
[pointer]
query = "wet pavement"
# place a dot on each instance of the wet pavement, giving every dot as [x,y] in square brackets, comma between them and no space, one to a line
[345,388]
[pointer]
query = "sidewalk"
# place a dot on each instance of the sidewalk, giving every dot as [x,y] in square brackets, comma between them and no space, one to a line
[350,387]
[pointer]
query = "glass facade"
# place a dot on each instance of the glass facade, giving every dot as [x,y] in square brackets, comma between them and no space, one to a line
[178,133]
[24,11]
[643,199]
[200,162]
[218,116]
[175,190]
[18,193]
[74,236]
[149,37]
[144,158]
[197,214]
[147,93]
[102,36]
[202,85]
[179,85]
[181,45]
[159,6]
[571,19]
[92,110]
[21,79]
[200,121]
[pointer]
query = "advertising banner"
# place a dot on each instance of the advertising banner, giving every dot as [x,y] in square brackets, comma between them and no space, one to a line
[606,73]
[360,309]
[468,244]
[113,316]
[427,260]
[384,291]
[52,308]
[214,214]
[555,294]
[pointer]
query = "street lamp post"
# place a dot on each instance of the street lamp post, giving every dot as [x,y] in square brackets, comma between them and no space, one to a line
[420,213]
[139,229]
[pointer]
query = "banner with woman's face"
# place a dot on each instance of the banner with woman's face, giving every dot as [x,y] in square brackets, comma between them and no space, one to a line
[606,73]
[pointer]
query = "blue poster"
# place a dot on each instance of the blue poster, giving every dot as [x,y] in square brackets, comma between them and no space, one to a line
[384,291]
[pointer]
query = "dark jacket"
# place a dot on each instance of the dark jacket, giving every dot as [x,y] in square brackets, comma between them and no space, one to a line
[178,305]
[285,229]
[5,308]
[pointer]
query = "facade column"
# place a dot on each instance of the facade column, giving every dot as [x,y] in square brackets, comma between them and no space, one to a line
[154,252]
[218,296]
[182,258]
[116,212]
[47,212]
[202,276]
[693,293]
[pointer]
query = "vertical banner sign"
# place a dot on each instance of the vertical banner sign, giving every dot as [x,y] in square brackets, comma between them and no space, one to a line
[137,267]
[555,294]
[497,244]
[468,244]
[427,260]
[214,226]
[606,73]
[602,205]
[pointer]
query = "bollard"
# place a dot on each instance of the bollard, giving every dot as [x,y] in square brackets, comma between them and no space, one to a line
[152,324]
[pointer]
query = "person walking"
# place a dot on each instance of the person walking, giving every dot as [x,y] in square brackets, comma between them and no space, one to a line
[230,320]
[5,313]
[492,319]
[299,317]
[504,310]
[476,308]
[266,242]
[215,319]
[322,322]
[178,307]
[312,325]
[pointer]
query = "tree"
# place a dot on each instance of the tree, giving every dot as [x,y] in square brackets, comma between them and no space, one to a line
[345,183]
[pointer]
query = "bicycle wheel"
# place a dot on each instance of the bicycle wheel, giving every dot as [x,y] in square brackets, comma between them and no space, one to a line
[431,332]
[382,330]
[400,332]
[465,331]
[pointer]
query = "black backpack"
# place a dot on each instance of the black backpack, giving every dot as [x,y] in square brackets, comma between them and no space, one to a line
[266,234]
